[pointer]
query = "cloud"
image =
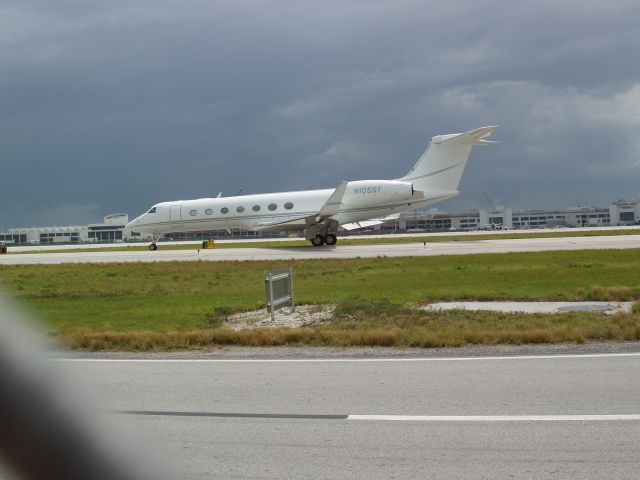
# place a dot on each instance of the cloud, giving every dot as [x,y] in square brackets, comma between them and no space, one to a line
[559,145]
[52,216]
[612,117]
[122,104]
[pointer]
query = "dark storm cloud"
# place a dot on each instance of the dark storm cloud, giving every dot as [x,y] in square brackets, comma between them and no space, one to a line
[111,106]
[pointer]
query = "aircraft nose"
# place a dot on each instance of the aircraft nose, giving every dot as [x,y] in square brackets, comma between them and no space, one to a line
[135,222]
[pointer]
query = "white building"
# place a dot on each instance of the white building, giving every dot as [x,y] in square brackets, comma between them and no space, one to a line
[434,220]
[625,212]
[112,230]
[570,217]
[501,217]
[620,212]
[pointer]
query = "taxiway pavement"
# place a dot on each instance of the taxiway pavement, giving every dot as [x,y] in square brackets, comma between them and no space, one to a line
[347,251]
[560,416]
[352,236]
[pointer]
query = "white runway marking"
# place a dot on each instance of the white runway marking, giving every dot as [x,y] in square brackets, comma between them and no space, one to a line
[392,418]
[349,360]
[495,418]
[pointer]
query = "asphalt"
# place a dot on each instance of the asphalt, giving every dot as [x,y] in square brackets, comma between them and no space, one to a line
[504,416]
[348,251]
[469,233]
[502,412]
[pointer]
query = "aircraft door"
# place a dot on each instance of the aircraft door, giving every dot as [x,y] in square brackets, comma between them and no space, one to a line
[175,215]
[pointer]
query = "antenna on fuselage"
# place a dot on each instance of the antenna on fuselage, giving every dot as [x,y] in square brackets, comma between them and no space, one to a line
[239,191]
[219,195]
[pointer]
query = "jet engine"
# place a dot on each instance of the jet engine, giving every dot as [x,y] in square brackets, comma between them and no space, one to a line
[377,192]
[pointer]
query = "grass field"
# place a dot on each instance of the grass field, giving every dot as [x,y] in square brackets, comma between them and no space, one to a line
[181,304]
[360,240]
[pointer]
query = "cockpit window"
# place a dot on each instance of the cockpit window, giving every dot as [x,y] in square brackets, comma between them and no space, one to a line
[153,210]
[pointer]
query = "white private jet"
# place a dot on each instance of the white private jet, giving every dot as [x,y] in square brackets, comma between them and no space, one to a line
[351,205]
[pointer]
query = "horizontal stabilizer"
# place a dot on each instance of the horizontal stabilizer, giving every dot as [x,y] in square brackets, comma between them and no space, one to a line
[473,137]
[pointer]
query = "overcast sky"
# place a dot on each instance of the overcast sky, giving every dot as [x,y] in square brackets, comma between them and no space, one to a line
[111,106]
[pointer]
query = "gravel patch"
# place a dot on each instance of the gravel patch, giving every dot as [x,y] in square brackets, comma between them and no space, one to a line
[311,315]
[303,316]
[608,308]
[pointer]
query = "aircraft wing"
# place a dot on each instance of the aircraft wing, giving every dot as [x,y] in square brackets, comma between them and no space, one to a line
[290,224]
[363,224]
[330,208]
[332,205]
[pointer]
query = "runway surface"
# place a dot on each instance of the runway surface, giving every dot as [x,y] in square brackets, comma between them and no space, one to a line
[362,251]
[351,236]
[561,416]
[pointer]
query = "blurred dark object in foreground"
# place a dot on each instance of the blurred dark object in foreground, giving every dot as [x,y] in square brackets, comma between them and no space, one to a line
[45,431]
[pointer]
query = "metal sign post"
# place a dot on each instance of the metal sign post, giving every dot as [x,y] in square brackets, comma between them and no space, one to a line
[279,290]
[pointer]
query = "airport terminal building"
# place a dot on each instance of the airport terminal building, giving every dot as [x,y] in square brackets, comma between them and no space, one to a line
[113,229]
[625,212]
[620,212]
[110,231]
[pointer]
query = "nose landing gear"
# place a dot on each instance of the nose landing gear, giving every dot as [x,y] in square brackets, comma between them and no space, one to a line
[154,242]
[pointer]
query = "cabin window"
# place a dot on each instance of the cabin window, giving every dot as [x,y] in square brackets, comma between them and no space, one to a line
[272,206]
[240,209]
[256,208]
[153,210]
[193,213]
[288,205]
[224,210]
[208,211]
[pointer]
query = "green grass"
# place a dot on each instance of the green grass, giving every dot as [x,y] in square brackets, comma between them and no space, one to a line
[358,241]
[358,323]
[186,300]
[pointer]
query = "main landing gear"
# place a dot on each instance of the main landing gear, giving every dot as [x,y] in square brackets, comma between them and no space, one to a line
[320,233]
[319,240]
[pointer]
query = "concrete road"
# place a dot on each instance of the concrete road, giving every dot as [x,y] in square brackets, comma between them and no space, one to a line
[560,416]
[362,251]
[470,234]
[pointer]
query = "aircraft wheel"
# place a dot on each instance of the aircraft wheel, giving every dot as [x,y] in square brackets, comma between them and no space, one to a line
[330,239]
[153,246]
[317,241]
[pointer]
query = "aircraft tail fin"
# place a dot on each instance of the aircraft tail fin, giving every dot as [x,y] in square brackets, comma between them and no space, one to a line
[442,164]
